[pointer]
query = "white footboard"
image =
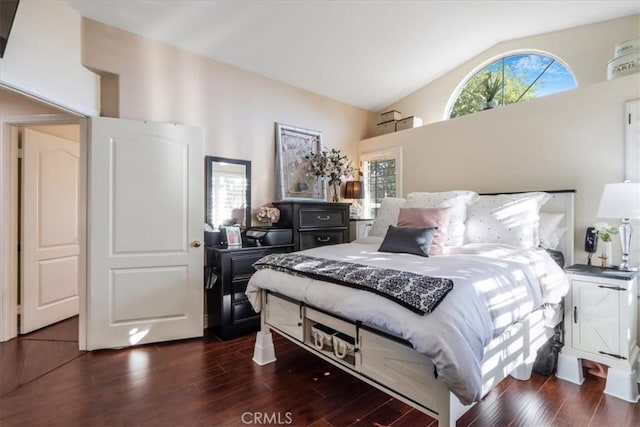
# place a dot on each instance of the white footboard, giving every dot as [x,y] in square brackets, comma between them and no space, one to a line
[387,363]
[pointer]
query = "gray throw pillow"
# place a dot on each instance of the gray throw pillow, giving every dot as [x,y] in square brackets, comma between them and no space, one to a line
[408,240]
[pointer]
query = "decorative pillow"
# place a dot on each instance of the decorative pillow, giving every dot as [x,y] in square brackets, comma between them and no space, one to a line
[506,218]
[457,200]
[387,215]
[428,217]
[548,228]
[408,240]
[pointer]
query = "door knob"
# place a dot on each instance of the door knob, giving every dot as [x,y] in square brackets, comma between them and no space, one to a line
[196,243]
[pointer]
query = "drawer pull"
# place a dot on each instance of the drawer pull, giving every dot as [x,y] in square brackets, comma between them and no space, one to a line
[323,239]
[575,314]
[323,218]
[617,356]
[614,288]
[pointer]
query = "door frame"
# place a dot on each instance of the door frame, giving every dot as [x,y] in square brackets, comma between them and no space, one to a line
[10,211]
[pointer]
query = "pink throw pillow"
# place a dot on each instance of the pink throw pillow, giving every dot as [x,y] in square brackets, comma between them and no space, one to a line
[428,217]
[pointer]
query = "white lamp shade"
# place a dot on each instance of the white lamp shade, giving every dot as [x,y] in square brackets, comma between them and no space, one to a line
[620,200]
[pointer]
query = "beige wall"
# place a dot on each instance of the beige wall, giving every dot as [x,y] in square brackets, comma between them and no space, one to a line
[13,104]
[238,109]
[586,50]
[572,140]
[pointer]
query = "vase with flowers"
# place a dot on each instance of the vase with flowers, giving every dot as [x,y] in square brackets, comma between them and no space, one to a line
[605,234]
[268,215]
[331,166]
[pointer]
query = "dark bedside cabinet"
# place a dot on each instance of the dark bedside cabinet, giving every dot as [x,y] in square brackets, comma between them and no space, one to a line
[315,223]
[228,271]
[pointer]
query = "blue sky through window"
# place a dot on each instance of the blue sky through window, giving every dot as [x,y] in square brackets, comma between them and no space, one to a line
[555,79]
[522,76]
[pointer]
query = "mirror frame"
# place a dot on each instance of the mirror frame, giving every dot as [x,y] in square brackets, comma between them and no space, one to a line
[209,161]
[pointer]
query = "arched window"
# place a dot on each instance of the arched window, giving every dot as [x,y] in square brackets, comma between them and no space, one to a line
[512,79]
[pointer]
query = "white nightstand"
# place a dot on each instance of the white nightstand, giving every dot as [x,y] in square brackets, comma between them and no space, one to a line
[600,323]
[359,228]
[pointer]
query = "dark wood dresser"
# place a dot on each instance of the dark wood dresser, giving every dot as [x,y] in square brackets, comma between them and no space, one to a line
[227,272]
[315,223]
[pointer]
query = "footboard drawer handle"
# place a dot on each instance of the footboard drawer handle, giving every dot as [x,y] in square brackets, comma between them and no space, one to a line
[340,350]
[323,218]
[323,239]
[318,341]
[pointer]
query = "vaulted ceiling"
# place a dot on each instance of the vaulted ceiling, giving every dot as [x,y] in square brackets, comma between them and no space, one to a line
[364,53]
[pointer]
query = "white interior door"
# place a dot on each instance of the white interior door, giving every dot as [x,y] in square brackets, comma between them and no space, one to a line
[49,230]
[145,227]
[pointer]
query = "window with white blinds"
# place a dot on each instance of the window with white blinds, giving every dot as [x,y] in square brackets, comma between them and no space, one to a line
[382,178]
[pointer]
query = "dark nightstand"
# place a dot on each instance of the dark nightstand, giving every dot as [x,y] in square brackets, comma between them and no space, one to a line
[228,271]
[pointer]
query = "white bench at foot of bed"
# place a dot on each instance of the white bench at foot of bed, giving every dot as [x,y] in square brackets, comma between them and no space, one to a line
[390,364]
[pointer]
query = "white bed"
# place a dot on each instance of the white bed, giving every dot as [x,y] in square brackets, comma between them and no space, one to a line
[457,353]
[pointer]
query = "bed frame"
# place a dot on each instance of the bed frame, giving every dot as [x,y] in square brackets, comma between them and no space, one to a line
[391,364]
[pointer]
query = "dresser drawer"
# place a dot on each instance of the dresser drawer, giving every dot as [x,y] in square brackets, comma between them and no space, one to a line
[325,217]
[312,239]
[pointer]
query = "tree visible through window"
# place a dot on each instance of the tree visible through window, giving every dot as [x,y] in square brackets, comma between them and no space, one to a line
[512,79]
[382,174]
[381,182]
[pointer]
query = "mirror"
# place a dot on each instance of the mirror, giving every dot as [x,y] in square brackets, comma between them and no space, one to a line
[228,192]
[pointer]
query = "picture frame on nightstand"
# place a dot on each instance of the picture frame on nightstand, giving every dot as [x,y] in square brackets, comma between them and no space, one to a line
[232,236]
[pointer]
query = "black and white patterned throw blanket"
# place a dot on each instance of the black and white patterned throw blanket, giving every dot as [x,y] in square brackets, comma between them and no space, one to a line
[420,294]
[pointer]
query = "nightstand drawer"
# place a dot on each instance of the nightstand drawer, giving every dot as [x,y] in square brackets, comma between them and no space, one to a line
[326,217]
[312,239]
[242,312]
[242,264]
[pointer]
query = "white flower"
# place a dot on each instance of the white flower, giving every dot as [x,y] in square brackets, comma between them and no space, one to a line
[604,231]
[329,164]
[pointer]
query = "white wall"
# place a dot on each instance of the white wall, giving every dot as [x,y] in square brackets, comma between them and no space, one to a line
[572,140]
[42,57]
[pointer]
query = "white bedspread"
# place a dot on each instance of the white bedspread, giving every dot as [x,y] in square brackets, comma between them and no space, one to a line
[494,287]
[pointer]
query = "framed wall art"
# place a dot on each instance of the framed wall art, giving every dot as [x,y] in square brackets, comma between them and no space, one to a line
[292,145]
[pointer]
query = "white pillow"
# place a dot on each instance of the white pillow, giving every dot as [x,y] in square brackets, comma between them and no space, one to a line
[554,240]
[550,234]
[387,215]
[457,200]
[511,219]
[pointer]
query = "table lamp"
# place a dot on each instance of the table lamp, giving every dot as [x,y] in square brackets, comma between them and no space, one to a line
[354,190]
[622,201]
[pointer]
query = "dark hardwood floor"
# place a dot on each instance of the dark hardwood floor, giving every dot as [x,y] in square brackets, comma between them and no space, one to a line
[46,381]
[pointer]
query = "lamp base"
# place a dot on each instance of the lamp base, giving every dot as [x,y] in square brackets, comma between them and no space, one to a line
[625,242]
[355,210]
